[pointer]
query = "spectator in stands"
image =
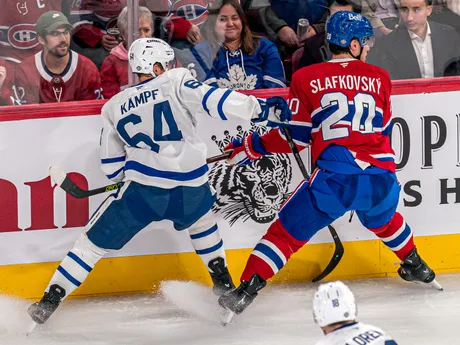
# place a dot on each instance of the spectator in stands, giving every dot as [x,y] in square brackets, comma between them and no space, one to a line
[6,83]
[185,36]
[114,69]
[453,5]
[267,21]
[447,12]
[242,61]
[292,11]
[184,20]
[181,21]
[17,32]
[56,74]
[316,49]
[385,15]
[91,19]
[417,48]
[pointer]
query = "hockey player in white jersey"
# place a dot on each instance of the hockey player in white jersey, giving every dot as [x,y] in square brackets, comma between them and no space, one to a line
[335,311]
[149,142]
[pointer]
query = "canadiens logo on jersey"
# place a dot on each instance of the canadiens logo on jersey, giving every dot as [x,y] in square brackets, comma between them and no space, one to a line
[20,36]
[195,11]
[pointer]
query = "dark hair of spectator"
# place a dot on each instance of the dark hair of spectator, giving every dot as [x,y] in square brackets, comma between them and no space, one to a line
[249,43]
[429,2]
[355,4]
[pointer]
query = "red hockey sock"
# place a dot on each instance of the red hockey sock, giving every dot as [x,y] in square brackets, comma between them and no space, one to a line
[397,236]
[271,253]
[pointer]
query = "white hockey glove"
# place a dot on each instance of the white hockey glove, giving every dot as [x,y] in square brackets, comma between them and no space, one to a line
[275,111]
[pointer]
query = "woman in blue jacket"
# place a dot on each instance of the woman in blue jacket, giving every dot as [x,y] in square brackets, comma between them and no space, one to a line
[242,61]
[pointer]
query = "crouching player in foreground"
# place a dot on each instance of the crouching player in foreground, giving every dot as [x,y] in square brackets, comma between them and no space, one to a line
[343,107]
[149,142]
[334,310]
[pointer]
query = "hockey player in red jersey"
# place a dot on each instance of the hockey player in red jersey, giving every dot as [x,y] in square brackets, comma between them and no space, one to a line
[56,74]
[342,107]
[18,37]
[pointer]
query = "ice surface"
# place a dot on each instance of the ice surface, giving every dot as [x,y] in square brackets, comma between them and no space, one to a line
[186,313]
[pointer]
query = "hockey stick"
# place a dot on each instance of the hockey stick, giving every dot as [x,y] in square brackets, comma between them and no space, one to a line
[339,250]
[220,157]
[62,180]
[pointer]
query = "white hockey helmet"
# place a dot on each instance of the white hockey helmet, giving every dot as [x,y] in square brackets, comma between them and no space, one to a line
[146,52]
[333,302]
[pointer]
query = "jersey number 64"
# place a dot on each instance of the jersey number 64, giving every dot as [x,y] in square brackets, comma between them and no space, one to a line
[160,111]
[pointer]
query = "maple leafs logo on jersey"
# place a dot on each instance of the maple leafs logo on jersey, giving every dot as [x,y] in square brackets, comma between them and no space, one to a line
[255,191]
[238,80]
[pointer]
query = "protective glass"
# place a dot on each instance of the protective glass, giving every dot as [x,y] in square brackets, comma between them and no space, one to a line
[368,41]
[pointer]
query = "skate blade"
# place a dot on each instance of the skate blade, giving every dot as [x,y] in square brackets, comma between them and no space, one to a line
[433,284]
[436,285]
[226,315]
[31,328]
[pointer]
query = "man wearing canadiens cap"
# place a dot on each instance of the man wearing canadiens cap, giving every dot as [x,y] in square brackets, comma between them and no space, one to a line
[56,74]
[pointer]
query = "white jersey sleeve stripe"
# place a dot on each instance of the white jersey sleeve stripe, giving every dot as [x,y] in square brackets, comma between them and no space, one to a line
[113,160]
[274,80]
[113,153]
[220,106]
[170,175]
[205,99]
[115,174]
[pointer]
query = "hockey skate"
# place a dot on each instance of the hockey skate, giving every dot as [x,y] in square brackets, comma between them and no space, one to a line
[41,311]
[237,300]
[414,269]
[220,276]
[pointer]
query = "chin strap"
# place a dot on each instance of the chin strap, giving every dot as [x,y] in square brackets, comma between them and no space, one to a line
[359,55]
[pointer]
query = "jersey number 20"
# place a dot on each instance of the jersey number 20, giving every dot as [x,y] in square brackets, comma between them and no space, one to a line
[160,111]
[361,101]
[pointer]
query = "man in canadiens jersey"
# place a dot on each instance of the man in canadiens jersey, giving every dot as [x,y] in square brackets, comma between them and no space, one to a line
[342,109]
[56,74]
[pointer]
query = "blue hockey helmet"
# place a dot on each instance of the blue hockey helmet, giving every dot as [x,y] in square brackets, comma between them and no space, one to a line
[343,26]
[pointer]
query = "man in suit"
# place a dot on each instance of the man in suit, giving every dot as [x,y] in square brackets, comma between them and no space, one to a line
[417,48]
